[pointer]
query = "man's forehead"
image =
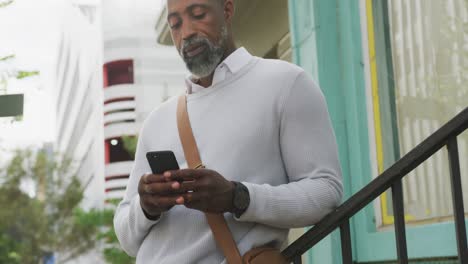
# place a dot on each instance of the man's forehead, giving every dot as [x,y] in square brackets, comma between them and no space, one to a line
[189,2]
[170,3]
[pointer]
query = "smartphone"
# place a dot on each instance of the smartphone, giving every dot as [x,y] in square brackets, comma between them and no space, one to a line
[162,161]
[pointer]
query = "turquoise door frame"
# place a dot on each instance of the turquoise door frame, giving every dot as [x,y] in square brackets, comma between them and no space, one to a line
[326,42]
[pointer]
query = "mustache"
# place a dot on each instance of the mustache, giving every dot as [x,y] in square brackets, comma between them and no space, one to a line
[193,41]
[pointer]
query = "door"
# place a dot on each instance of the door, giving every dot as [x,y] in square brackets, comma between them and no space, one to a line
[416,68]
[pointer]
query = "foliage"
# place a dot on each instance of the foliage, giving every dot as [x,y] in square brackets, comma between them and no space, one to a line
[47,219]
[25,74]
[130,144]
[11,73]
[5,3]
[112,252]
[5,58]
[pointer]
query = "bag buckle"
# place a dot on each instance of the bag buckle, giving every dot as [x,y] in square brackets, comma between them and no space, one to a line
[199,166]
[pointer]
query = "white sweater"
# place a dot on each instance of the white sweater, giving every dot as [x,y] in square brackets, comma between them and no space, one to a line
[266,125]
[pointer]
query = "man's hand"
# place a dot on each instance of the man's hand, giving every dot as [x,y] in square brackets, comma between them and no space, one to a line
[204,190]
[158,195]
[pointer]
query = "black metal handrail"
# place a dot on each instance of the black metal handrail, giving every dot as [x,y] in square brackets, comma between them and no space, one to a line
[392,178]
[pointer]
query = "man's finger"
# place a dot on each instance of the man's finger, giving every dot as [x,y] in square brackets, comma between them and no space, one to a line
[160,202]
[194,197]
[196,201]
[168,201]
[183,175]
[150,178]
[189,186]
[162,188]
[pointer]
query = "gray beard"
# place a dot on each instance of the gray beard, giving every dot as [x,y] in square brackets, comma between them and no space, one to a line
[205,63]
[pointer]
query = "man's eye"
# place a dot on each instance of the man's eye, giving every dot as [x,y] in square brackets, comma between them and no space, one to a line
[174,24]
[200,16]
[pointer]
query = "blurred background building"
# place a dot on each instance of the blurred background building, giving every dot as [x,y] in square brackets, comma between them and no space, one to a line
[111,73]
[392,73]
[138,74]
[78,92]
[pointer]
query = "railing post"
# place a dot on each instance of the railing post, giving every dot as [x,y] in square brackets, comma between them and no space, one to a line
[345,233]
[457,197]
[399,217]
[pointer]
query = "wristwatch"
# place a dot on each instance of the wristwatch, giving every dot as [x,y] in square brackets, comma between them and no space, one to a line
[240,199]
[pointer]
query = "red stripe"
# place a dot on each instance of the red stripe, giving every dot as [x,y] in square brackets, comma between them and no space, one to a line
[115,189]
[127,121]
[117,177]
[105,77]
[107,152]
[120,111]
[121,99]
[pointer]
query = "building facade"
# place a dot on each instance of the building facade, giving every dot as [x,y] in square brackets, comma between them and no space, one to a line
[78,102]
[138,74]
[111,74]
[392,73]
[79,97]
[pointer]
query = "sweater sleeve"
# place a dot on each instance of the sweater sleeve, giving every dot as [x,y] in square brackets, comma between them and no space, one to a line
[130,223]
[310,157]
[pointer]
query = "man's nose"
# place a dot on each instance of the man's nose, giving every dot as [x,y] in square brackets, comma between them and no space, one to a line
[188,31]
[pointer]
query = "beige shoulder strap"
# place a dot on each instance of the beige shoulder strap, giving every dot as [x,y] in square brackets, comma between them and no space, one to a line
[217,223]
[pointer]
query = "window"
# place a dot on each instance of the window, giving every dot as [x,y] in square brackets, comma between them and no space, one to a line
[118,72]
[116,151]
[421,57]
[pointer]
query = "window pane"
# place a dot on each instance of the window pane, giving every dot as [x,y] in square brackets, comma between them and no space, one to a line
[429,47]
[118,72]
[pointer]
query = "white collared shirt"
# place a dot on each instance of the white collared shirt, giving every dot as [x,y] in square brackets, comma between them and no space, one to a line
[230,66]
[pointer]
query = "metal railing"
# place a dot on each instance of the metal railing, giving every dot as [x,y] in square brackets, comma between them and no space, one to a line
[392,178]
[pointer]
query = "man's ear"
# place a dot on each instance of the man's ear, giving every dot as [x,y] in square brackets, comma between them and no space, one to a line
[229,10]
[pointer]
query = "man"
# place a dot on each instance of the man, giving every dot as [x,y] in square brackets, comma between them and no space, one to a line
[263,132]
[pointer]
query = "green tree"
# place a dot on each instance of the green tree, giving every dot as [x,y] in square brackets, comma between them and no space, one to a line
[112,252]
[48,218]
[130,144]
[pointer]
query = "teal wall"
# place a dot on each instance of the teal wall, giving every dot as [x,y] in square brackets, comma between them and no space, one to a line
[326,42]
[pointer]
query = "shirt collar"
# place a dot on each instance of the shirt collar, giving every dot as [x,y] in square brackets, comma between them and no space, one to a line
[234,62]
[238,59]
